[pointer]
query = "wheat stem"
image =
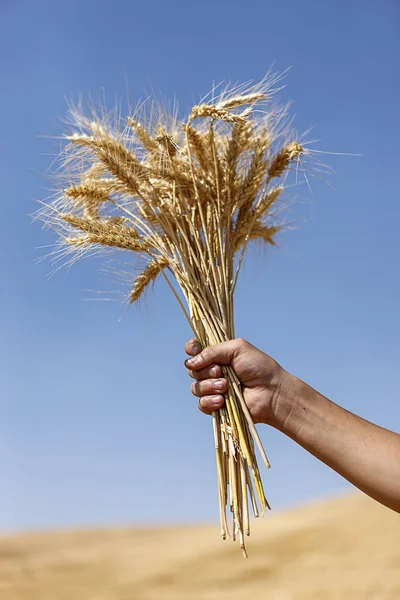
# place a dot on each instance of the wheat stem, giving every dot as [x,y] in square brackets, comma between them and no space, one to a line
[189,198]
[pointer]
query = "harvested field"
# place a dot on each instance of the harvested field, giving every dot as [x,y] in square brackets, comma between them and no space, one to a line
[347,548]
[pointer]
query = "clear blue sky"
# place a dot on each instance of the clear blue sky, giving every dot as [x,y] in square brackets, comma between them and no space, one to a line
[97,425]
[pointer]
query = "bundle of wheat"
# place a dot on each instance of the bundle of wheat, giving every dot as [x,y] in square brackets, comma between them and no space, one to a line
[189,196]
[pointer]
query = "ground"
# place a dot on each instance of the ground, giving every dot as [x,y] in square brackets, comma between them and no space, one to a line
[347,548]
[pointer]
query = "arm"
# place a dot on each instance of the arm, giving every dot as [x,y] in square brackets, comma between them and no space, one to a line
[366,455]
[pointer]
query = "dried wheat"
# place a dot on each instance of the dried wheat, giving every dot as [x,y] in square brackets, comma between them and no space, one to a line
[189,198]
[148,275]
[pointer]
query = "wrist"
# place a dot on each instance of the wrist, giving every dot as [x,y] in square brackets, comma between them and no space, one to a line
[285,403]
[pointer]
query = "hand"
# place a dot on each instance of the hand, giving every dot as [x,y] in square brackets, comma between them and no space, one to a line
[332,434]
[261,376]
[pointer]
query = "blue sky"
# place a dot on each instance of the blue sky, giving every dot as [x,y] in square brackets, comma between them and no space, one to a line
[97,425]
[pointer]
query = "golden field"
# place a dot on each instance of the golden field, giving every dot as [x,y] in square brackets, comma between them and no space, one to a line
[347,548]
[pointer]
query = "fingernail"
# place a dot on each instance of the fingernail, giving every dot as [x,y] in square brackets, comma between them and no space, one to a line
[214,371]
[196,348]
[215,401]
[218,384]
[190,362]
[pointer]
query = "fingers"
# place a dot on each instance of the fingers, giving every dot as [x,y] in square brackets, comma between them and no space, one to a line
[222,354]
[192,347]
[208,404]
[210,392]
[207,373]
[209,387]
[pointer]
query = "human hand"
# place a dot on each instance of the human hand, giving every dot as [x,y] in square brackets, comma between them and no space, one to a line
[262,378]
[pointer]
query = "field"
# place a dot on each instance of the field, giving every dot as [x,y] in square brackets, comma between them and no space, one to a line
[347,548]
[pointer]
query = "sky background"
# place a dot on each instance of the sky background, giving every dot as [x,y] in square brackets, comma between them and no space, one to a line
[97,424]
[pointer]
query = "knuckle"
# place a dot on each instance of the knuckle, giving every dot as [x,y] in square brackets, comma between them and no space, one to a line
[208,404]
[207,354]
[202,387]
[206,373]
[203,406]
[200,375]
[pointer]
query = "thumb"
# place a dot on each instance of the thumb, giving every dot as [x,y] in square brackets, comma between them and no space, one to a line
[221,354]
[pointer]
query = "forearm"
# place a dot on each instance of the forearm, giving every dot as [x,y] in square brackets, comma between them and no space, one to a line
[366,455]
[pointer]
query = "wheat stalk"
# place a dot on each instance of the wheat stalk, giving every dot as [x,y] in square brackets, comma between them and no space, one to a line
[189,196]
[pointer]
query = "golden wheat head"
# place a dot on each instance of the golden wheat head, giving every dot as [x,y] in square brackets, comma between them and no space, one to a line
[188,196]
